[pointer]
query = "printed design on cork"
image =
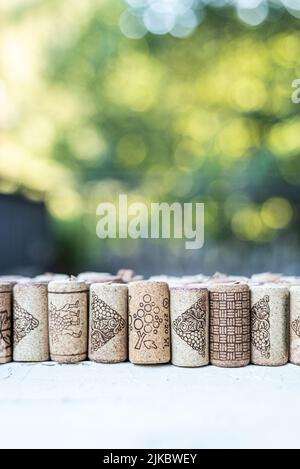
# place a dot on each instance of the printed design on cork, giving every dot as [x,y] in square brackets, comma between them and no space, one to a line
[106,323]
[260,326]
[230,326]
[64,320]
[24,323]
[296,326]
[5,331]
[190,326]
[146,321]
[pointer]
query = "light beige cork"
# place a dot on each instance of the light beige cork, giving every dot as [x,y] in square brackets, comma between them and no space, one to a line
[50,277]
[93,277]
[189,308]
[230,325]
[68,321]
[108,323]
[30,322]
[149,323]
[295,325]
[12,279]
[5,322]
[269,324]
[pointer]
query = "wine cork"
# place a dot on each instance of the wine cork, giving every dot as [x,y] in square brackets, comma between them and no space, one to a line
[30,322]
[108,324]
[93,277]
[68,320]
[189,308]
[295,325]
[50,277]
[265,277]
[269,324]
[12,279]
[149,323]
[5,322]
[230,325]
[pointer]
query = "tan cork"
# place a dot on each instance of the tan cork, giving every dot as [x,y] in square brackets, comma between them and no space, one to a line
[30,322]
[108,323]
[189,307]
[269,324]
[68,321]
[230,325]
[5,322]
[149,323]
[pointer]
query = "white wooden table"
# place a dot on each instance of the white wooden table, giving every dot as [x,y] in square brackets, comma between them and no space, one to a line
[126,406]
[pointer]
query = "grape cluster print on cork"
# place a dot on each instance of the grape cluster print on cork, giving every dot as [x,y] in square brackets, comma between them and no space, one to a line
[145,321]
[5,333]
[296,326]
[68,320]
[260,326]
[190,327]
[106,323]
[65,320]
[6,342]
[24,323]
[149,322]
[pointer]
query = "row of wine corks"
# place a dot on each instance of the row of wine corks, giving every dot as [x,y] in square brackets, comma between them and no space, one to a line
[190,325]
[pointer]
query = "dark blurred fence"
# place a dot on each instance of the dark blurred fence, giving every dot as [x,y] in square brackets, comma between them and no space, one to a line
[26,242]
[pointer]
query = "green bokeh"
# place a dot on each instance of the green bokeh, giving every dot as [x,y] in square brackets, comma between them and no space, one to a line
[89,114]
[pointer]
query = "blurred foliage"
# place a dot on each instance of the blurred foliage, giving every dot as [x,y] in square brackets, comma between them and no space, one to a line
[87,114]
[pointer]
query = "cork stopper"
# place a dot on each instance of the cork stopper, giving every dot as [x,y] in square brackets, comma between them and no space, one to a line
[72,285]
[108,324]
[295,325]
[5,322]
[68,320]
[189,307]
[230,325]
[30,319]
[230,286]
[149,322]
[270,324]
[49,277]
[5,287]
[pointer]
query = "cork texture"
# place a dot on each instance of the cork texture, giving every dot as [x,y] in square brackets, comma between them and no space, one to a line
[30,322]
[189,309]
[149,323]
[230,325]
[5,322]
[108,323]
[68,321]
[295,325]
[269,324]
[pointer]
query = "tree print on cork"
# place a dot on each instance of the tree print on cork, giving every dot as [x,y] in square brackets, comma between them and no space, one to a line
[64,320]
[5,331]
[106,323]
[191,325]
[296,326]
[24,323]
[146,321]
[260,326]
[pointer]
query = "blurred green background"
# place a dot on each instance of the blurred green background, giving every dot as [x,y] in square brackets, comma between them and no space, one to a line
[93,105]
